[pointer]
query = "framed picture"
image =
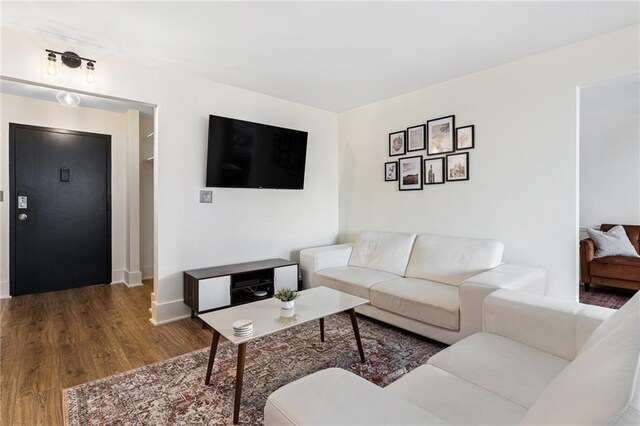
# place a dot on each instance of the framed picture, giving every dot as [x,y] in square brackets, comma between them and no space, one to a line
[397,144]
[434,171]
[391,171]
[440,135]
[458,166]
[416,137]
[410,169]
[464,137]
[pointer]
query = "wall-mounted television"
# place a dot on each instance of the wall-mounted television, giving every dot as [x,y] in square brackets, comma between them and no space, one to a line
[242,154]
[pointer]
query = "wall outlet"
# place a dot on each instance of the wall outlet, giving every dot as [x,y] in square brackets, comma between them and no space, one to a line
[206,196]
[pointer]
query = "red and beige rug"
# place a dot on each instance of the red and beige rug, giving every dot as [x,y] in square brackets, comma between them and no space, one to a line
[173,392]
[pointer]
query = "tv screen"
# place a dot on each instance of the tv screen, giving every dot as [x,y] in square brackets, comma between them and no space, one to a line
[242,154]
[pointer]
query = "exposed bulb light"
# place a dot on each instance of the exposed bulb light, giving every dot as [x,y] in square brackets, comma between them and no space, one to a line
[52,69]
[68,99]
[70,60]
[91,76]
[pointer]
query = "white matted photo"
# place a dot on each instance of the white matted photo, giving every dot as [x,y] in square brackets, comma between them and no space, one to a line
[440,133]
[458,166]
[397,144]
[391,171]
[464,137]
[410,169]
[416,137]
[434,171]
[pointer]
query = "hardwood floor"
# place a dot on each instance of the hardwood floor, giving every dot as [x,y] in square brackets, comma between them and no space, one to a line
[56,340]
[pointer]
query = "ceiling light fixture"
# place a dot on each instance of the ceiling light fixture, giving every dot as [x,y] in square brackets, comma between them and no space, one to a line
[68,99]
[72,60]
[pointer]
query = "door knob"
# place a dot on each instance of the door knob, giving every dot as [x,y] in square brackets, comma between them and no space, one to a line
[22,216]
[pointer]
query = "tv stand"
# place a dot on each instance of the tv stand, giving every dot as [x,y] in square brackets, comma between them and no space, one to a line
[219,287]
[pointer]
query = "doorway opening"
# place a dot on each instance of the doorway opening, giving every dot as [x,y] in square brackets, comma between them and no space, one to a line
[130,126]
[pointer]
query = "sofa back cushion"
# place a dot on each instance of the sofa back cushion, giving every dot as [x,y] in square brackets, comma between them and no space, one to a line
[633,232]
[451,260]
[383,251]
[600,386]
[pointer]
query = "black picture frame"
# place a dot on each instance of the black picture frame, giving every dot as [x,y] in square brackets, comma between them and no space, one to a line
[386,171]
[417,185]
[450,144]
[411,129]
[443,172]
[473,137]
[396,152]
[450,158]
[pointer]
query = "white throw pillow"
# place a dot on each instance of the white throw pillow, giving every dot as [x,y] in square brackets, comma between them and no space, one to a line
[614,242]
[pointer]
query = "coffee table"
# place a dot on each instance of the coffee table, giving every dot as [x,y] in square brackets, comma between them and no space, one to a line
[313,304]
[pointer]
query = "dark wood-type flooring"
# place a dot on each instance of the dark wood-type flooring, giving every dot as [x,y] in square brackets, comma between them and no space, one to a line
[56,340]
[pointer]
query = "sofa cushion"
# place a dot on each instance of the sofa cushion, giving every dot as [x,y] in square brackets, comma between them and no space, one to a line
[613,242]
[337,397]
[601,385]
[383,251]
[633,232]
[454,400]
[452,260]
[500,365]
[427,301]
[620,267]
[351,279]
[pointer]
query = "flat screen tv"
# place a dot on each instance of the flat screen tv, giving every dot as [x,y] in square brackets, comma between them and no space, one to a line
[242,154]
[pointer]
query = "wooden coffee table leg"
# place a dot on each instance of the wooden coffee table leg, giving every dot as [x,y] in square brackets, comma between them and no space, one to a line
[212,355]
[322,329]
[356,331]
[242,352]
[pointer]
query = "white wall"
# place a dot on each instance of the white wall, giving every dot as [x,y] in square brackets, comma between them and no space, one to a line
[610,152]
[21,110]
[523,171]
[241,224]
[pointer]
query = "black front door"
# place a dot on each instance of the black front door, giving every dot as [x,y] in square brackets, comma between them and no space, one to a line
[60,209]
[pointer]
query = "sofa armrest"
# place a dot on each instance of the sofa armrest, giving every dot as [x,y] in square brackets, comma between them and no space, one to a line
[475,289]
[338,397]
[315,259]
[552,325]
[587,251]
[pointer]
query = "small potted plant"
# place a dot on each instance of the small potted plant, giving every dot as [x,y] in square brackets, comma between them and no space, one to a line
[287,296]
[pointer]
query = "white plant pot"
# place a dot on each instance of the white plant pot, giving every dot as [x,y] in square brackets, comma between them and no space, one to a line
[288,305]
[287,313]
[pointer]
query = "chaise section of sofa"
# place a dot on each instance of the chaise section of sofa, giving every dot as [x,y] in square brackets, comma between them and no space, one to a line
[431,285]
[537,361]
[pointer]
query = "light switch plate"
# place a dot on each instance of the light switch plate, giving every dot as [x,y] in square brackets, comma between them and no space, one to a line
[206,196]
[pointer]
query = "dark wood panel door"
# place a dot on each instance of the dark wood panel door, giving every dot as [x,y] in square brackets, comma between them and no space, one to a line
[60,209]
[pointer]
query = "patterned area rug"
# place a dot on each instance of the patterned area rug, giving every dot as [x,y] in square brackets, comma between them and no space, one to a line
[173,392]
[607,297]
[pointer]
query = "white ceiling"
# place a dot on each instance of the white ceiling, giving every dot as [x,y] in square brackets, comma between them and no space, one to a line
[331,55]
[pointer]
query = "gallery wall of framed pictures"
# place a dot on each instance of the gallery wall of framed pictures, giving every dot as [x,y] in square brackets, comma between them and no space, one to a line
[446,158]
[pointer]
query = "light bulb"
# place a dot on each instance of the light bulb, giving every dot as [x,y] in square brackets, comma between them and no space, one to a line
[52,69]
[91,76]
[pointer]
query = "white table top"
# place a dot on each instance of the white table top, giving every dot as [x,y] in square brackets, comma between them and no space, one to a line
[268,317]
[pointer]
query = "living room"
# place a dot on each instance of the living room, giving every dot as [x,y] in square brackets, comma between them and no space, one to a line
[515,71]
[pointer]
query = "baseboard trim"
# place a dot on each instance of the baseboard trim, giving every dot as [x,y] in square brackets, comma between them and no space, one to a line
[133,279]
[117,276]
[5,290]
[166,312]
[147,272]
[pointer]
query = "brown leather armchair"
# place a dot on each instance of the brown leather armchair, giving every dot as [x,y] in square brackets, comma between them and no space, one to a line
[612,271]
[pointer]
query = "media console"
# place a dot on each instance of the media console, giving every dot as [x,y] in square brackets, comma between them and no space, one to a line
[219,287]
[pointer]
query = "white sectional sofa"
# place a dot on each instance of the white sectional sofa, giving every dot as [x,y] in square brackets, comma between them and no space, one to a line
[539,361]
[431,285]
